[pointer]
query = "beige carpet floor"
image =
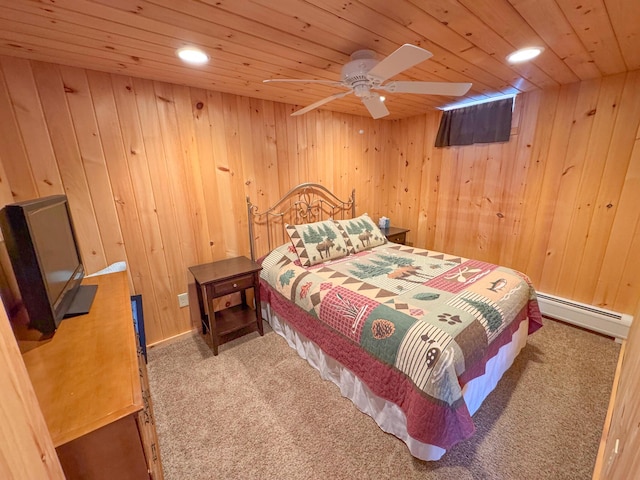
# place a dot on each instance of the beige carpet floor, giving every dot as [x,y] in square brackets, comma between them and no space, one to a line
[259,411]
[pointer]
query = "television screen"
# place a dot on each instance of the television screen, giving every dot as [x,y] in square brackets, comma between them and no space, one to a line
[46,262]
[55,247]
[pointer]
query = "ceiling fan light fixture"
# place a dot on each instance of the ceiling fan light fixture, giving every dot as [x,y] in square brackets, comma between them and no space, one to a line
[361,90]
[192,55]
[524,54]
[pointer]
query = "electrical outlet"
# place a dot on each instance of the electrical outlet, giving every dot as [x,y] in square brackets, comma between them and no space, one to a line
[183,300]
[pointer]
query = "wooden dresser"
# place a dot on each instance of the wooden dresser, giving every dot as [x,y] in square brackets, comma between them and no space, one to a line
[91,382]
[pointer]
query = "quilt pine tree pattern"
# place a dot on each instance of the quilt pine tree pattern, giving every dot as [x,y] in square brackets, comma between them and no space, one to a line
[422,321]
[393,300]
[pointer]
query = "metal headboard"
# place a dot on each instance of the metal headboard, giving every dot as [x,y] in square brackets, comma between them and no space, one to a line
[306,203]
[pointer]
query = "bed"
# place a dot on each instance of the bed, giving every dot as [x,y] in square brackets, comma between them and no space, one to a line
[416,339]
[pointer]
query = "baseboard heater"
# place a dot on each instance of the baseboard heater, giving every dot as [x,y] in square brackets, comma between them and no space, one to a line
[603,321]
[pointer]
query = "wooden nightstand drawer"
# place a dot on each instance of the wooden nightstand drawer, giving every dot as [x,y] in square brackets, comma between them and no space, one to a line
[232,285]
[398,238]
[396,234]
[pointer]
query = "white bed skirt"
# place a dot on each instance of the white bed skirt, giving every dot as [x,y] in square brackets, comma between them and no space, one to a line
[388,415]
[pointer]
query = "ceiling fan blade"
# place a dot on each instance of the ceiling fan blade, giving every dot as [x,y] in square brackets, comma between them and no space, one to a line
[427,88]
[376,107]
[403,58]
[319,103]
[296,80]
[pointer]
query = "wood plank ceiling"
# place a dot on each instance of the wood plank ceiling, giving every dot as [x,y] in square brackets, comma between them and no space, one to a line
[249,41]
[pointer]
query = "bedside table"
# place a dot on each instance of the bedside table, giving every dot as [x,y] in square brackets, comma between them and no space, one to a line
[395,234]
[216,279]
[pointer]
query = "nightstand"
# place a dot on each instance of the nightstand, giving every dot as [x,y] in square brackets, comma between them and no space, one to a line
[395,234]
[216,279]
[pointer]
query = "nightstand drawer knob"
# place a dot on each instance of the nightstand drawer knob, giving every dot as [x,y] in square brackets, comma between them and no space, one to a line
[235,285]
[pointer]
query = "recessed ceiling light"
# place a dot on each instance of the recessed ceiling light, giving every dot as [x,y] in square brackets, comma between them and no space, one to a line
[192,55]
[524,54]
[382,98]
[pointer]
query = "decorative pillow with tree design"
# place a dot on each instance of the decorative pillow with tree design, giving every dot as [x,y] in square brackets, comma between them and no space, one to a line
[317,242]
[361,233]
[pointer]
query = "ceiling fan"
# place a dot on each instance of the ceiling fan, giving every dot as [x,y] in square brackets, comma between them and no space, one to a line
[365,73]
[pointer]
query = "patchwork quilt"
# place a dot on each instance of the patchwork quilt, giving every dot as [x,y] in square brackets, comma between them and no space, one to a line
[414,325]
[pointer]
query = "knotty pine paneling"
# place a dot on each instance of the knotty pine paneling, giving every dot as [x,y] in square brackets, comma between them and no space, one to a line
[157,175]
[558,201]
[27,449]
[617,456]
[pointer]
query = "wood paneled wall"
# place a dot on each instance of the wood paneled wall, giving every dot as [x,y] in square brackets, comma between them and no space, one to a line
[26,450]
[157,175]
[559,201]
[618,453]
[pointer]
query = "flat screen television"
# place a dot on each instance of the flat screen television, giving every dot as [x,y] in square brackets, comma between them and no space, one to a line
[47,266]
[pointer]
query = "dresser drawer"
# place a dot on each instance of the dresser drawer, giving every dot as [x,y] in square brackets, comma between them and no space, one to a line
[232,285]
